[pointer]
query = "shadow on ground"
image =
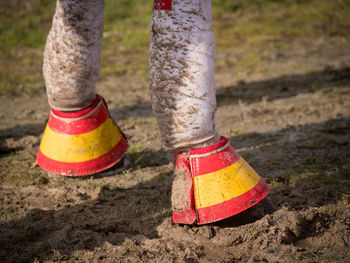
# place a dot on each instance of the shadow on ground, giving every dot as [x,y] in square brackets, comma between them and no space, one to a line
[250,92]
[283,87]
[19,137]
[311,173]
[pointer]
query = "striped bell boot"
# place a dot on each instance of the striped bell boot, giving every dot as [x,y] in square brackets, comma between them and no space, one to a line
[213,183]
[82,142]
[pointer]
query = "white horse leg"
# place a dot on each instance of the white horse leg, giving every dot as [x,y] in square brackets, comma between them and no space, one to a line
[72,54]
[182,57]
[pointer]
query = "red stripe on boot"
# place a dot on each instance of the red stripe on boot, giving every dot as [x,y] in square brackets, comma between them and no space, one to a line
[84,168]
[73,127]
[214,162]
[234,206]
[162,5]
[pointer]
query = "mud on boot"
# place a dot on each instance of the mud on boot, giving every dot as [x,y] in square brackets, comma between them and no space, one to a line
[213,183]
[81,143]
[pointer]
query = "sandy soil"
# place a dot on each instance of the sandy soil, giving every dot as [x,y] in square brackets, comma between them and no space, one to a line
[292,127]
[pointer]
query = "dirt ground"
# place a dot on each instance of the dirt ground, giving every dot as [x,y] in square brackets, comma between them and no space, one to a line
[291,123]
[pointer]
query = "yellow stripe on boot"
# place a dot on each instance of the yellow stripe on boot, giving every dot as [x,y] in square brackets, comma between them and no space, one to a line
[225,184]
[81,147]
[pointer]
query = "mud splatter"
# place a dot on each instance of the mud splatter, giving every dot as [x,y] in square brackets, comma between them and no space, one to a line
[72,54]
[182,55]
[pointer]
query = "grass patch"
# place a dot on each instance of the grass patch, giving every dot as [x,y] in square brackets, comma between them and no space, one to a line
[319,177]
[14,169]
[127,247]
[150,122]
[137,153]
[12,175]
[248,31]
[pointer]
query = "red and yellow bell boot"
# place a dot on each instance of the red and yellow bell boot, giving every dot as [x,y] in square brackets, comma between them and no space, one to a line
[81,143]
[213,183]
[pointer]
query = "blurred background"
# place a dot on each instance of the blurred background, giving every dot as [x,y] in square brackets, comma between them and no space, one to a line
[250,35]
[283,97]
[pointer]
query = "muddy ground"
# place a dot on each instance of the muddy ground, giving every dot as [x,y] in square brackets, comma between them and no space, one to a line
[291,123]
